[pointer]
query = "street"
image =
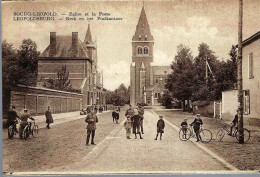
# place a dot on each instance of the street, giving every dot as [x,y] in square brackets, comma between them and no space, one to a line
[63,149]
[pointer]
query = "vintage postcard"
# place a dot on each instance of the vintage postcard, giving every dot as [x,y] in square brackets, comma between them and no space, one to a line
[130,87]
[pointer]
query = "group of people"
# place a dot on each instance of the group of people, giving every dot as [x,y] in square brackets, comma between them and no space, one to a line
[97,108]
[13,118]
[135,121]
[115,115]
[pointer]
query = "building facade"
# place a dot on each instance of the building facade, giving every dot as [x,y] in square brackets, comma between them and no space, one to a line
[251,77]
[251,84]
[80,59]
[146,80]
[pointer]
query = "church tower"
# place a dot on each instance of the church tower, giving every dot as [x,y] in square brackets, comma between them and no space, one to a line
[142,56]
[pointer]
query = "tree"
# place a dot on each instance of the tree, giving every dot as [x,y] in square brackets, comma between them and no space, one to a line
[119,96]
[19,67]
[180,81]
[204,86]
[62,82]
[28,63]
[10,74]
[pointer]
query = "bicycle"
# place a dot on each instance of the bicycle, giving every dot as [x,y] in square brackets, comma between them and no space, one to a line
[11,129]
[221,133]
[186,133]
[30,128]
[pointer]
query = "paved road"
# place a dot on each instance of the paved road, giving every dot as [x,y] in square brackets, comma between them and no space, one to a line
[116,154]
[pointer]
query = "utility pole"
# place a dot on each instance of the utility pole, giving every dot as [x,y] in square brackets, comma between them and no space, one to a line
[239,75]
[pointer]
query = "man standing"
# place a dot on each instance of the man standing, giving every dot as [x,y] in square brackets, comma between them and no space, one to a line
[24,119]
[129,111]
[12,115]
[49,118]
[136,124]
[141,114]
[91,120]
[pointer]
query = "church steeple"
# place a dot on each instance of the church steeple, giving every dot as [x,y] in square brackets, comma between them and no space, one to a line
[143,32]
[88,37]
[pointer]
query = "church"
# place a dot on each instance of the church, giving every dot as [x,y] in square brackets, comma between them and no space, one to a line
[146,80]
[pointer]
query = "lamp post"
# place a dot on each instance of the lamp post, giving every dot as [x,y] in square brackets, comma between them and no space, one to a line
[239,75]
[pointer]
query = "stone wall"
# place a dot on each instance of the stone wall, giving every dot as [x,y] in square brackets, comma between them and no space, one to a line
[36,100]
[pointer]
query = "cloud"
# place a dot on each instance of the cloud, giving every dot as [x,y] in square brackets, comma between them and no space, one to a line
[196,31]
[115,74]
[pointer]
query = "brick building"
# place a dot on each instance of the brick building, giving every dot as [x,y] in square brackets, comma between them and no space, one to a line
[147,81]
[81,61]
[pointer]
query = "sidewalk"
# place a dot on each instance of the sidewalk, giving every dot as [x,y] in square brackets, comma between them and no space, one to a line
[59,118]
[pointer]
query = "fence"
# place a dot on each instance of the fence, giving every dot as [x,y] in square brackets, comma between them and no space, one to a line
[36,100]
[217,110]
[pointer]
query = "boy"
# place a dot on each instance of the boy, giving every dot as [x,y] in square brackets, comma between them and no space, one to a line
[184,126]
[160,127]
[196,126]
[128,126]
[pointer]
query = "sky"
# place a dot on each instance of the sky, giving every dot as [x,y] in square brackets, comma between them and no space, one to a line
[188,22]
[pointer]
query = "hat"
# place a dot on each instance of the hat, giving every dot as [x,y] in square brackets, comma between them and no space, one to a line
[198,114]
[25,109]
[160,116]
[185,118]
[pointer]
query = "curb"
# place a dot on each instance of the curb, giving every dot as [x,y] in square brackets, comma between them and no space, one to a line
[228,165]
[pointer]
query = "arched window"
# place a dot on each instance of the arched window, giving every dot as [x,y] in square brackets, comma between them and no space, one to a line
[139,50]
[146,51]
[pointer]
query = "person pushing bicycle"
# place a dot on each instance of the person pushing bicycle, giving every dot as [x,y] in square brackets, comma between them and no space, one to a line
[24,118]
[12,119]
[196,126]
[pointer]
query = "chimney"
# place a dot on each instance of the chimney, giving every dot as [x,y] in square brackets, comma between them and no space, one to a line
[74,44]
[52,44]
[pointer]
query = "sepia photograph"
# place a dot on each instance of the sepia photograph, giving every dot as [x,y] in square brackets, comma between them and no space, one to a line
[130,87]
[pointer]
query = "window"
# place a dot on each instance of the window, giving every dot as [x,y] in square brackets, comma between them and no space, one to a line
[250,65]
[156,95]
[139,51]
[246,102]
[140,37]
[145,36]
[156,81]
[165,72]
[146,50]
[159,95]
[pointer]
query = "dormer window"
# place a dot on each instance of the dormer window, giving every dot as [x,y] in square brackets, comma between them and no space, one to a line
[140,37]
[139,51]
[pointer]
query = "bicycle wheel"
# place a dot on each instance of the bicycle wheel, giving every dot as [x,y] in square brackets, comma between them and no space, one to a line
[26,132]
[205,136]
[35,131]
[246,135]
[10,132]
[220,135]
[184,135]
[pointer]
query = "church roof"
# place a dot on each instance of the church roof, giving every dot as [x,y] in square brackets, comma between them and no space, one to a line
[143,29]
[88,38]
[64,48]
[161,70]
[150,87]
